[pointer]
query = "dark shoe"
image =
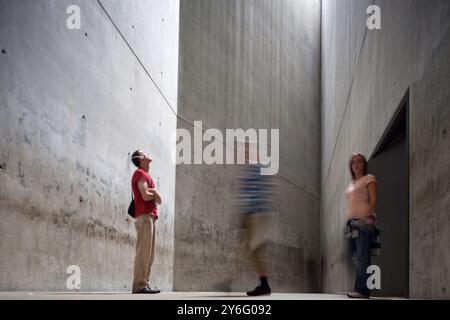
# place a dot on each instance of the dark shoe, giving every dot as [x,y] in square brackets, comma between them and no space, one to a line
[259,291]
[155,290]
[147,290]
[357,295]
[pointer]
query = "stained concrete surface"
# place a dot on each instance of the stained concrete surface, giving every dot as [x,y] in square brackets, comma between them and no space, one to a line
[249,64]
[74,105]
[365,76]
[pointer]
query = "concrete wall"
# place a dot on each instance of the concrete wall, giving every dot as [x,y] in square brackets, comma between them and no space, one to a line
[74,104]
[249,64]
[365,74]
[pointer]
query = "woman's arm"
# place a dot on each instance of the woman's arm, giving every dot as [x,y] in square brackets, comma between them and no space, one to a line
[372,195]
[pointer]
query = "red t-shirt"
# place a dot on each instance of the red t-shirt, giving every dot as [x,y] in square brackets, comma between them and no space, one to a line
[142,207]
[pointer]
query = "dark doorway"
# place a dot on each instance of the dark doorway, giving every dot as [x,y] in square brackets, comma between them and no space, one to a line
[390,165]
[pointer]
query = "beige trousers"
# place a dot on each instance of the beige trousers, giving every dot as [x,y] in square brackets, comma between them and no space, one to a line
[145,250]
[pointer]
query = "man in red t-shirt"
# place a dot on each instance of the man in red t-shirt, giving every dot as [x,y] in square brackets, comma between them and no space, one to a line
[146,197]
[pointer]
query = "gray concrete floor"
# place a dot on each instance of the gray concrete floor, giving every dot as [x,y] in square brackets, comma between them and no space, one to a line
[167,296]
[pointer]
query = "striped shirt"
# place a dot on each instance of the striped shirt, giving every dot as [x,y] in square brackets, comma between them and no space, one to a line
[256,190]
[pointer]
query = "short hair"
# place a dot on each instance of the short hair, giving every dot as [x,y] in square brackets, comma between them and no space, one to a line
[135,158]
[364,161]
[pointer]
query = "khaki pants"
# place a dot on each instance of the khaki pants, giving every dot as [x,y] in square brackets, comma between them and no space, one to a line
[254,241]
[145,248]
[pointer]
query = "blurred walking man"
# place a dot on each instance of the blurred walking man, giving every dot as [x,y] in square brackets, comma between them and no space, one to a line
[255,201]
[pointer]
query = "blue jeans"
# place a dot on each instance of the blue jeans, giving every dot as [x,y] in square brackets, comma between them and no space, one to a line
[363,253]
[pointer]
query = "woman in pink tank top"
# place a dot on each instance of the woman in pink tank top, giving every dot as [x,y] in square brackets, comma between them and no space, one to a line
[361,196]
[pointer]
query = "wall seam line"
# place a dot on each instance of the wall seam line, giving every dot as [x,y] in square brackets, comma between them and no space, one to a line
[344,113]
[136,56]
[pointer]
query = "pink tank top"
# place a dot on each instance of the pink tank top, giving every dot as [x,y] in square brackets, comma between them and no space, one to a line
[357,194]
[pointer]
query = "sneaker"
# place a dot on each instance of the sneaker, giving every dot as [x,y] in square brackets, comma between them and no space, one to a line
[155,290]
[147,290]
[259,291]
[357,295]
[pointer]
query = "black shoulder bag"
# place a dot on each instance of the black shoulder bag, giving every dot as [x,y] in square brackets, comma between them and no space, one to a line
[131,209]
